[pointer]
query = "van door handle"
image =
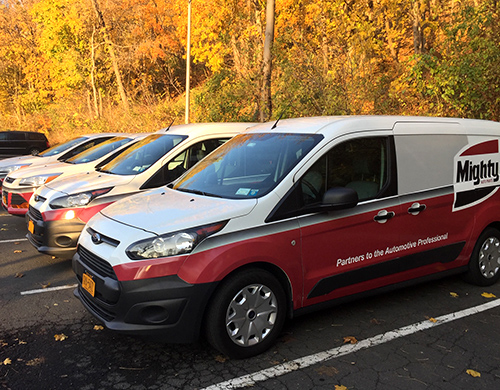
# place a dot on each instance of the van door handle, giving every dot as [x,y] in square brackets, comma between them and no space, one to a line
[416,208]
[383,216]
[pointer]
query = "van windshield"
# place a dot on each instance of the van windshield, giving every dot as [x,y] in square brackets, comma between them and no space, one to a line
[247,166]
[143,154]
[98,150]
[61,147]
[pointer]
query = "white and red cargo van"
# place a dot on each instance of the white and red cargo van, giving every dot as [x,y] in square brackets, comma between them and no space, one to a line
[293,217]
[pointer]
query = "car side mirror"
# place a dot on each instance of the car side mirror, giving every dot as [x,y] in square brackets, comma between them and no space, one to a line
[339,198]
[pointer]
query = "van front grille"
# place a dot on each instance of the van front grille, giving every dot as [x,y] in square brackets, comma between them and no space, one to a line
[35,214]
[95,263]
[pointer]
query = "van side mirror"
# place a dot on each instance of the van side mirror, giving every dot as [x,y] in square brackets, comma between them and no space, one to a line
[338,198]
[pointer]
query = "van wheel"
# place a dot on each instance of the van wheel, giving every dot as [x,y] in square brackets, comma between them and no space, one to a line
[484,265]
[246,314]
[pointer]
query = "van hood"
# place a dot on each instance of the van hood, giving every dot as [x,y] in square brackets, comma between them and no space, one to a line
[87,181]
[39,169]
[29,159]
[164,210]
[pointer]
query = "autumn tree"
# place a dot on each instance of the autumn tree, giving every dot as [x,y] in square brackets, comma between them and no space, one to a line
[73,64]
[24,81]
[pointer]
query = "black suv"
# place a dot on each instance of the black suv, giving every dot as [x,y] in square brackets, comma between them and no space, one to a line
[22,142]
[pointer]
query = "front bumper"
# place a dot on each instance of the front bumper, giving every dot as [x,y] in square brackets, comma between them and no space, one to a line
[56,238]
[16,203]
[165,308]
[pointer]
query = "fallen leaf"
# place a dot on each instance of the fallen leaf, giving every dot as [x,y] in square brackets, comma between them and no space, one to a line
[21,342]
[98,327]
[375,321]
[18,251]
[35,362]
[473,373]
[488,295]
[60,337]
[454,295]
[433,320]
[220,359]
[46,285]
[19,275]
[328,371]
[7,361]
[350,339]
[340,387]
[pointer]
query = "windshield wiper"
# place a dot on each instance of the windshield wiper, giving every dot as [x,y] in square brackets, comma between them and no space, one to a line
[198,192]
[104,171]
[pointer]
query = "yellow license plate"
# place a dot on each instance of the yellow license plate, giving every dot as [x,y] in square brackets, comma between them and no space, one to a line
[31,226]
[88,284]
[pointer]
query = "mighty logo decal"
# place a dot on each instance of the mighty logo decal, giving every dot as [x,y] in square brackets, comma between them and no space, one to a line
[483,172]
[476,174]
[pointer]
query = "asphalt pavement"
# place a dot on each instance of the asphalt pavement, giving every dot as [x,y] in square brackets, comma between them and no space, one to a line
[438,335]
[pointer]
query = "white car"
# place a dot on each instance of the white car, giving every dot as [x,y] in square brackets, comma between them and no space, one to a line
[285,219]
[19,185]
[59,209]
[59,152]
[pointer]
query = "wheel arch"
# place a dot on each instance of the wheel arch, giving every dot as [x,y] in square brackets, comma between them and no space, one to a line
[484,270]
[274,270]
[495,225]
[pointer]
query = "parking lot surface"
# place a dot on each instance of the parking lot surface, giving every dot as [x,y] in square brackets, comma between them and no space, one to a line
[437,335]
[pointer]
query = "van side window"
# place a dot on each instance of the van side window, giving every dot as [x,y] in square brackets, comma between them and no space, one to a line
[367,165]
[360,164]
[182,162]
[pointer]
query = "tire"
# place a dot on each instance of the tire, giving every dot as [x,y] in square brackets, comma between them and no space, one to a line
[484,264]
[246,314]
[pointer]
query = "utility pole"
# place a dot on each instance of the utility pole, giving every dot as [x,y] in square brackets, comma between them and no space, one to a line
[188,62]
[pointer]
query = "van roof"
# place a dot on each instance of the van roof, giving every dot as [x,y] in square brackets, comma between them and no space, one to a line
[196,129]
[320,124]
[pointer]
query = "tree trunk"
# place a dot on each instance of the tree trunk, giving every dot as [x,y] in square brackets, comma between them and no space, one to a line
[266,107]
[92,78]
[418,28]
[114,61]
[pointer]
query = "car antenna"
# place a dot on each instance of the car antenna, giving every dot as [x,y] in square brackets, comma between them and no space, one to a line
[170,125]
[276,123]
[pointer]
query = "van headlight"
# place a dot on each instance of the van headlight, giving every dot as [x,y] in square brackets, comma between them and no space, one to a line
[37,181]
[172,244]
[12,168]
[78,200]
